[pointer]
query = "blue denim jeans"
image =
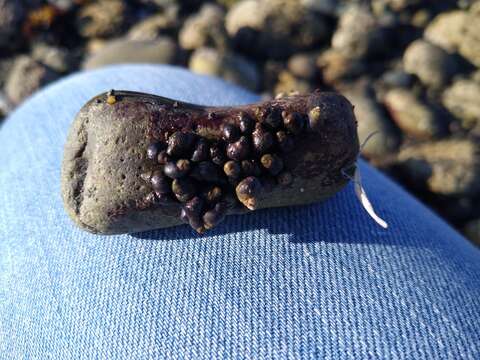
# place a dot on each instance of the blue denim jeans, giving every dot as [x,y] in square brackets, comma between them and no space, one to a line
[320,281]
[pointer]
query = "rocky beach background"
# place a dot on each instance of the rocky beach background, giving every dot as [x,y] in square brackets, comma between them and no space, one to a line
[410,67]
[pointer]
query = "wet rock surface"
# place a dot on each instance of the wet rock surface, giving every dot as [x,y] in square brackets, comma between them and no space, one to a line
[427,49]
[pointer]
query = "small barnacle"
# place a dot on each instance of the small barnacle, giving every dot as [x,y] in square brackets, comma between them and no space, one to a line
[213,217]
[248,190]
[272,162]
[111,98]
[314,117]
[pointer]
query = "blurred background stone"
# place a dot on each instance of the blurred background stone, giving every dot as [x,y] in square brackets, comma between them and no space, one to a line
[413,116]
[121,51]
[433,66]
[26,76]
[231,67]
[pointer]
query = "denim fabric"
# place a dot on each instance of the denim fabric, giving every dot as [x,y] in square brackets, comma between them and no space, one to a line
[311,282]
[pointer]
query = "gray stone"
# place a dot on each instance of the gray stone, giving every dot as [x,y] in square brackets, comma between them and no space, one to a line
[104,18]
[205,28]
[431,64]
[336,65]
[303,65]
[469,46]
[6,65]
[462,100]
[26,77]
[458,31]
[11,15]
[275,28]
[155,26]
[287,83]
[446,167]
[372,118]
[414,116]
[397,78]
[446,30]
[359,34]
[122,51]
[230,67]
[58,59]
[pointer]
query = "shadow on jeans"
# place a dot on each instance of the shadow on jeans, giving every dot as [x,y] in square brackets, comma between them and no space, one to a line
[337,220]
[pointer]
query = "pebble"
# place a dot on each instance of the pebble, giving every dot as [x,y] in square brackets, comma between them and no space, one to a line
[469,46]
[205,28]
[231,67]
[431,64]
[27,76]
[303,65]
[414,116]
[462,100]
[446,30]
[57,58]
[287,83]
[275,29]
[457,31]
[103,18]
[155,26]
[359,34]
[160,51]
[371,117]
[445,167]
[335,65]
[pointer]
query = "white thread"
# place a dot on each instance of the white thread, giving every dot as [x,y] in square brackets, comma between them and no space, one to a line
[360,191]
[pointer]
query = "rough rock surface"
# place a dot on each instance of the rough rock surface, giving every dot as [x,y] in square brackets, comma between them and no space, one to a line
[105,157]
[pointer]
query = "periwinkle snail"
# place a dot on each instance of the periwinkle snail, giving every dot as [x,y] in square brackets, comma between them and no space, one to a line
[145,162]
